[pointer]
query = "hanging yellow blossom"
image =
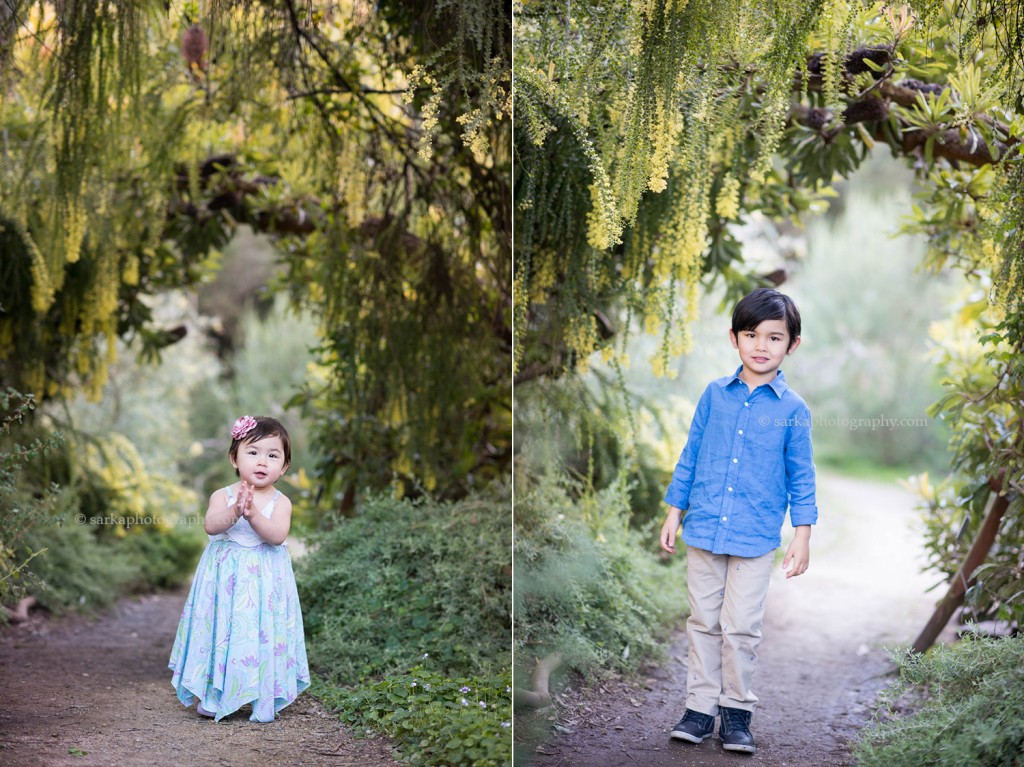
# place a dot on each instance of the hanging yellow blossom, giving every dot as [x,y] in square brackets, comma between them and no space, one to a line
[666,128]
[657,363]
[651,324]
[130,272]
[43,289]
[74,232]
[727,205]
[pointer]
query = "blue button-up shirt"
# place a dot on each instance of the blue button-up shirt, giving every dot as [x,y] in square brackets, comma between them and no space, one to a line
[747,458]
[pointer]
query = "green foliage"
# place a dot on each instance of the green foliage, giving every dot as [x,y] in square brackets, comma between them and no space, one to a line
[817,160]
[587,584]
[412,279]
[646,128]
[985,386]
[125,451]
[96,121]
[93,538]
[971,715]
[127,517]
[113,527]
[86,567]
[1007,237]
[23,509]
[594,428]
[412,390]
[426,580]
[461,722]
[411,577]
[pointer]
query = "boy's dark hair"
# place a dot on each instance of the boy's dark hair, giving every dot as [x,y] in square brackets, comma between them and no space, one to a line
[766,304]
[265,427]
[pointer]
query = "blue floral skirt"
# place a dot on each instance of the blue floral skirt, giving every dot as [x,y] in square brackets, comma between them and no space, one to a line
[240,636]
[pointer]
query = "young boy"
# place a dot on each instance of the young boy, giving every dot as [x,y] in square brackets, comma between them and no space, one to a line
[747,458]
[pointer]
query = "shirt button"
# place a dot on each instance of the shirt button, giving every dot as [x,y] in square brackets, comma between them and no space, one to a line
[740,431]
[746,404]
[730,489]
[725,519]
[735,460]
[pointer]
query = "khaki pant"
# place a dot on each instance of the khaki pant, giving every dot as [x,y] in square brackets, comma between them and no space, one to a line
[727,596]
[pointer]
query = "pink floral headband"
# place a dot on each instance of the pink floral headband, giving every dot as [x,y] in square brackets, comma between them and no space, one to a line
[243,426]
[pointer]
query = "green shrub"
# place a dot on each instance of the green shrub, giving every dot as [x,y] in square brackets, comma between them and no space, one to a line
[972,714]
[423,579]
[21,508]
[86,567]
[118,526]
[587,584]
[464,722]
[405,578]
[165,559]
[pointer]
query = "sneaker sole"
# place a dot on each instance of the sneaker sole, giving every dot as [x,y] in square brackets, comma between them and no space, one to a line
[741,749]
[688,737]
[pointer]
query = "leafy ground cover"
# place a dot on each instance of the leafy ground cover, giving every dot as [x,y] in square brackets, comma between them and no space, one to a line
[957,706]
[408,611]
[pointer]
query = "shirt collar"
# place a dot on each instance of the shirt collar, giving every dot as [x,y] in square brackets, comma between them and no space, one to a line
[777,384]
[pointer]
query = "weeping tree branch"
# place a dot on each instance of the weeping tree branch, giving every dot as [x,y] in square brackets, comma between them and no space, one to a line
[873,105]
[388,127]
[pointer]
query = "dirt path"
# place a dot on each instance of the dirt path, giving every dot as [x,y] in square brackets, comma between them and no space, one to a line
[102,687]
[821,661]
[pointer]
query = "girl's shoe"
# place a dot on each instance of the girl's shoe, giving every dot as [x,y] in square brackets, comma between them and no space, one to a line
[203,711]
[694,727]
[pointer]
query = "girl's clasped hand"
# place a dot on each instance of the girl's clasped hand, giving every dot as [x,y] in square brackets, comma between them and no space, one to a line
[244,502]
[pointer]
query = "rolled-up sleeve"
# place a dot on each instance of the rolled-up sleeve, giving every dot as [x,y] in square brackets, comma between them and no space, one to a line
[799,457]
[678,493]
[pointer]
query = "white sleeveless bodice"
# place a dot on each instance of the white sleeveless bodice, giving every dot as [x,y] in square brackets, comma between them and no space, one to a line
[241,532]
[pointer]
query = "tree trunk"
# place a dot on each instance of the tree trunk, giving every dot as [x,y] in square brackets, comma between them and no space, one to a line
[963,579]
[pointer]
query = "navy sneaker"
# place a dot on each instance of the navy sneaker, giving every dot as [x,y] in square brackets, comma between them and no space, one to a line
[694,727]
[735,730]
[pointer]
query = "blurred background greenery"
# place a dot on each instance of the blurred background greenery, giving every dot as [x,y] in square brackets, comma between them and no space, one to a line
[867,310]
